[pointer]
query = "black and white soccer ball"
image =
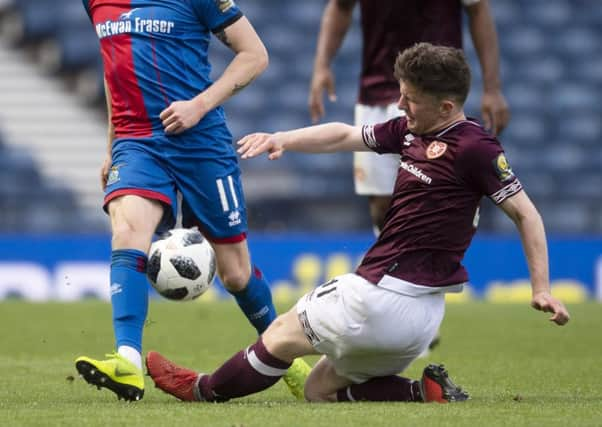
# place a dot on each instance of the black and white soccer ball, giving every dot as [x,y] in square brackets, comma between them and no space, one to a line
[181,264]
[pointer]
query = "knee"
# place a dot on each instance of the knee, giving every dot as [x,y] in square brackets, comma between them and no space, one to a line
[131,230]
[235,279]
[126,235]
[123,232]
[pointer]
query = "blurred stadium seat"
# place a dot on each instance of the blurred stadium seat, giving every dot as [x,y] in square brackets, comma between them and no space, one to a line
[552,75]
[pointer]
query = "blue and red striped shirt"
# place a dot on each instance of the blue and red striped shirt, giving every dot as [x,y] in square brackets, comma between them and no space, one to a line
[155,52]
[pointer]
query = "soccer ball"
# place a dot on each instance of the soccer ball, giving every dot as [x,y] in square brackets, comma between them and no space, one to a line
[181,265]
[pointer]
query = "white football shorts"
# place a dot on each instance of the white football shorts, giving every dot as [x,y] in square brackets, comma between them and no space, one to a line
[374,174]
[371,330]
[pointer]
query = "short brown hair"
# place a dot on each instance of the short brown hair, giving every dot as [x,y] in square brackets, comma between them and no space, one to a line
[440,71]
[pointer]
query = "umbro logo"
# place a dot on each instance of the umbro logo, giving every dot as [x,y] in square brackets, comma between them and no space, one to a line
[116,288]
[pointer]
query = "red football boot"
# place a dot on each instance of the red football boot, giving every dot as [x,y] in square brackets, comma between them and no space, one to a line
[436,386]
[173,379]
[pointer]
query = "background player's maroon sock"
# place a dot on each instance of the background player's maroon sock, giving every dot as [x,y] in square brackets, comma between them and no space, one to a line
[248,371]
[382,389]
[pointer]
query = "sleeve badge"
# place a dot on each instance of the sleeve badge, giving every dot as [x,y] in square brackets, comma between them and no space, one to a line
[224,5]
[502,168]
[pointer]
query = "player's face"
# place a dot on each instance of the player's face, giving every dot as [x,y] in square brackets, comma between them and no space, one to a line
[422,110]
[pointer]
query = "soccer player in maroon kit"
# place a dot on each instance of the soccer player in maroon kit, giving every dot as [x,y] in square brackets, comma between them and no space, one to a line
[372,324]
[388,27]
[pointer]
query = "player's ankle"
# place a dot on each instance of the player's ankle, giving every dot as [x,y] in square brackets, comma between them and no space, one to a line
[131,354]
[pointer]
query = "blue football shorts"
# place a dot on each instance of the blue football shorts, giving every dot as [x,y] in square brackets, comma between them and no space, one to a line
[202,166]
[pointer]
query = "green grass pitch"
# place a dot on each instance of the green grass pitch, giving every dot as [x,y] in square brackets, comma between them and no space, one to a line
[520,370]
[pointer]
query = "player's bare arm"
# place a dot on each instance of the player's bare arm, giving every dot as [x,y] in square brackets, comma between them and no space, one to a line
[494,107]
[530,226]
[326,138]
[251,59]
[335,24]
[106,163]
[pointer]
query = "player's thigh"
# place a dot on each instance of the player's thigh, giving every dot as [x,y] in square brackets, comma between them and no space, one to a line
[366,330]
[285,337]
[134,220]
[324,382]
[332,313]
[137,170]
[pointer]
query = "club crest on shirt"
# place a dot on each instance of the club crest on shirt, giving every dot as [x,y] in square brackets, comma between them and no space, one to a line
[224,5]
[113,175]
[435,149]
[502,168]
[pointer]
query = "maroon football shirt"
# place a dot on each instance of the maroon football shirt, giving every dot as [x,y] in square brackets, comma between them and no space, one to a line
[434,211]
[390,26]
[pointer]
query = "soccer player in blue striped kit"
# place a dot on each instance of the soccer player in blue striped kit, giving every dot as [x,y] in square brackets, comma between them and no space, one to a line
[168,134]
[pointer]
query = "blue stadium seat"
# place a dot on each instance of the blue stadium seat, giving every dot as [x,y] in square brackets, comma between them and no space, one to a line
[573,96]
[562,157]
[506,13]
[576,42]
[538,184]
[541,68]
[566,216]
[583,185]
[588,70]
[527,130]
[523,42]
[581,128]
[525,96]
[43,18]
[550,14]
[78,47]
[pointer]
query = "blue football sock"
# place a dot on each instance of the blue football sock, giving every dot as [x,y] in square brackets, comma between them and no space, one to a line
[129,296]
[256,301]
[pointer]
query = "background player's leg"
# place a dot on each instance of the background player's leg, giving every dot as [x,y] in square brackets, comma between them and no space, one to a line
[133,222]
[246,283]
[379,205]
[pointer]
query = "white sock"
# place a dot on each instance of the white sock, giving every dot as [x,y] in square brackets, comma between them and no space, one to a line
[131,354]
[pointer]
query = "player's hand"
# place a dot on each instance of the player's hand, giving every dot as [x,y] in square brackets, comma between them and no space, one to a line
[323,79]
[257,143]
[104,172]
[495,111]
[181,116]
[545,302]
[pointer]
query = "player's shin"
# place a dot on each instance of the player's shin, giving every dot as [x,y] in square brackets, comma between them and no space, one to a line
[249,371]
[129,298]
[256,301]
[382,389]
